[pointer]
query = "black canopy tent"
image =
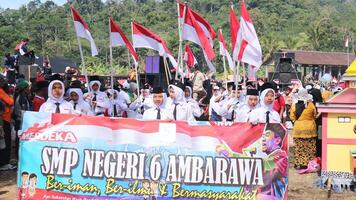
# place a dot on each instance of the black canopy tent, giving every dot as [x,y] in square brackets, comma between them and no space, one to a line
[58,64]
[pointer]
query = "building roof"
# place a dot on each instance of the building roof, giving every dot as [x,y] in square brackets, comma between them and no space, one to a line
[351,71]
[344,102]
[321,58]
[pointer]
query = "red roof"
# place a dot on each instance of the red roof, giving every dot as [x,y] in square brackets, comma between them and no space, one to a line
[348,96]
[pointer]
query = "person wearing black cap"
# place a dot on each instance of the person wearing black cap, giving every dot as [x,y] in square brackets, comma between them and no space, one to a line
[176,103]
[246,108]
[265,113]
[143,102]
[158,111]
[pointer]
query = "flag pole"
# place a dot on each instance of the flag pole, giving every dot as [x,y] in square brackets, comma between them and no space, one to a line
[81,55]
[136,69]
[225,72]
[244,74]
[180,50]
[166,68]
[111,58]
[237,74]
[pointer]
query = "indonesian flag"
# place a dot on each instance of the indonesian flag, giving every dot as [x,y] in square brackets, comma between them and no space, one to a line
[118,38]
[198,30]
[189,57]
[142,37]
[251,73]
[250,49]
[224,51]
[82,30]
[235,34]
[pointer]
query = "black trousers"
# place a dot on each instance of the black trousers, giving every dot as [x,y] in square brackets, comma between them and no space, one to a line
[5,154]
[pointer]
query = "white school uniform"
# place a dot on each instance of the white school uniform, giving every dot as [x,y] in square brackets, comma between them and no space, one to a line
[183,111]
[192,104]
[259,115]
[244,111]
[50,105]
[80,107]
[102,101]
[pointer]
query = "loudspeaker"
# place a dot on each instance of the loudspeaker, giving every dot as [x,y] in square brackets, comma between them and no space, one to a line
[154,64]
[285,66]
[155,71]
[284,78]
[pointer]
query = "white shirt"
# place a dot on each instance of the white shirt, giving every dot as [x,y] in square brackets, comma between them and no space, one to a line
[102,101]
[141,104]
[151,114]
[183,110]
[123,95]
[229,107]
[243,113]
[259,115]
[82,108]
[50,107]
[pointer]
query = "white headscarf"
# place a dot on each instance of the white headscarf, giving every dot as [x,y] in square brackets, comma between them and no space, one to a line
[262,99]
[190,94]
[179,93]
[92,83]
[79,92]
[50,95]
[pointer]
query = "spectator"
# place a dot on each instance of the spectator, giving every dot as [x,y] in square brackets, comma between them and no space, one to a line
[9,102]
[41,93]
[9,62]
[198,89]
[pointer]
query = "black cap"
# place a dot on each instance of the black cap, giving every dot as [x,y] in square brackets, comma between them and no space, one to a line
[252,92]
[56,77]
[230,84]
[41,84]
[188,84]
[146,86]
[157,90]
[266,86]
[238,88]
[76,84]
[94,78]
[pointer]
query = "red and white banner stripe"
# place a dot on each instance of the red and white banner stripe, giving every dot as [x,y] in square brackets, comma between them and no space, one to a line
[235,34]
[189,57]
[142,37]
[82,30]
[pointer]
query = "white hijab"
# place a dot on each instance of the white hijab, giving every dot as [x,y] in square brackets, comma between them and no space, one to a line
[50,94]
[262,99]
[179,94]
[79,92]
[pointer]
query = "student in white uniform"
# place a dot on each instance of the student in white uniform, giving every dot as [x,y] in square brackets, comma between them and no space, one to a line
[214,105]
[80,107]
[98,100]
[244,110]
[177,105]
[229,108]
[142,103]
[158,111]
[192,104]
[117,105]
[55,102]
[265,113]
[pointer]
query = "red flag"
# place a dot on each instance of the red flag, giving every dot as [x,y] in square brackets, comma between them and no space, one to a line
[82,30]
[118,38]
[250,49]
[189,56]
[235,34]
[142,37]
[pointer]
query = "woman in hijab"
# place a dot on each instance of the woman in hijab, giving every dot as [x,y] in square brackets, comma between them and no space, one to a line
[265,113]
[80,106]
[117,104]
[244,111]
[303,115]
[193,105]
[55,102]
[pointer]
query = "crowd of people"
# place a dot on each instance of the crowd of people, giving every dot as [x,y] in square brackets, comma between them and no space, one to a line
[200,98]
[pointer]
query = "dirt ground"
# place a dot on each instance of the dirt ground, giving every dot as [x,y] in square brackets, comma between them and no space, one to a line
[300,187]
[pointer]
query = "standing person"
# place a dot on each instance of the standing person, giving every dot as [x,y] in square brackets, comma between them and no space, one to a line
[41,93]
[9,102]
[303,115]
[279,103]
[55,102]
[9,63]
[80,106]
[214,105]
[176,103]
[143,102]
[244,111]
[117,104]
[125,96]
[98,100]
[158,111]
[230,106]
[197,79]
[192,104]
[265,113]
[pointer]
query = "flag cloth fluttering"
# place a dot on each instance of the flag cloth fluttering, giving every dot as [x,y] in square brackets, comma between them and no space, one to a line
[199,31]
[118,38]
[82,30]
[235,34]
[189,57]
[250,49]
[224,51]
[142,37]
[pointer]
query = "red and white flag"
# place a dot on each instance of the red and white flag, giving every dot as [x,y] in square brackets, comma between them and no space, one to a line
[189,57]
[224,51]
[198,30]
[118,38]
[235,34]
[82,30]
[250,49]
[142,37]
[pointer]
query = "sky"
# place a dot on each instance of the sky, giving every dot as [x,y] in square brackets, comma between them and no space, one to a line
[15,4]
